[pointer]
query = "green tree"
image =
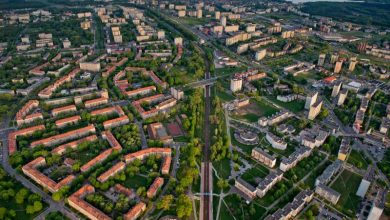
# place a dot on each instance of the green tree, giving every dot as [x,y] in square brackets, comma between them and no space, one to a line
[21,195]
[165,202]
[183,206]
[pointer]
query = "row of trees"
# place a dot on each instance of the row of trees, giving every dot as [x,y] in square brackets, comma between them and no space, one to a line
[220,148]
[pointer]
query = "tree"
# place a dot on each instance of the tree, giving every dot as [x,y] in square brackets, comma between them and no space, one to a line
[222,184]
[183,206]
[21,195]
[165,202]
[37,206]
[57,196]
[3,211]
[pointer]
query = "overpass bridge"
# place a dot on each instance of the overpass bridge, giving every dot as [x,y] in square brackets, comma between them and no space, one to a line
[200,83]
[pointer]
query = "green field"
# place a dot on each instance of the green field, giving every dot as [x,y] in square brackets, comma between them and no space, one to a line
[238,209]
[357,159]
[223,168]
[135,182]
[224,96]
[257,171]
[347,184]
[294,106]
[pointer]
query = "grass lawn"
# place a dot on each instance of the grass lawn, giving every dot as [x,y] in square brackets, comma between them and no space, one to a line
[229,70]
[135,182]
[294,106]
[347,184]
[357,159]
[257,171]
[215,206]
[238,208]
[255,110]
[224,213]
[266,108]
[224,96]
[223,168]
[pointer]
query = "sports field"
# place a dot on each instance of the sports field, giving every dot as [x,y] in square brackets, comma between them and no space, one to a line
[347,184]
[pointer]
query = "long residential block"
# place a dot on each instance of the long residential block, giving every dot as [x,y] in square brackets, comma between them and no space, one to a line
[60,138]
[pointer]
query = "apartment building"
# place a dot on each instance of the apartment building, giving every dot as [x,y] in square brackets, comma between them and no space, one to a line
[142,154]
[60,138]
[140,91]
[275,141]
[95,102]
[292,209]
[31,170]
[328,193]
[76,201]
[12,145]
[61,123]
[237,38]
[329,172]
[65,109]
[48,91]
[275,118]
[378,205]
[116,122]
[22,116]
[72,145]
[268,182]
[342,96]
[156,185]
[166,164]
[109,110]
[293,159]
[314,110]
[135,212]
[314,137]
[343,150]
[263,157]
[369,177]
[245,187]
[118,167]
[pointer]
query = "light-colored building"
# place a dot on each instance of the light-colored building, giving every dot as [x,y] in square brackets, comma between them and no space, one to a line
[328,193]
[223,21]
[378,205]
[336,88]
[260,54]
[275,141]
[314,110]
[369,176]
[292,160]
[352,65]
[342,96]
[343,150]
[311,99]
[321,59]
[235,84]
[90,66]
[178,41]
[338,66]
[263,157]
[217,15]
[245,187]
[329,172]
[268,182]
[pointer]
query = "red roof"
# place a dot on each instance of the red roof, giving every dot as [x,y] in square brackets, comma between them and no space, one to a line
[13,135]
[330,79]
